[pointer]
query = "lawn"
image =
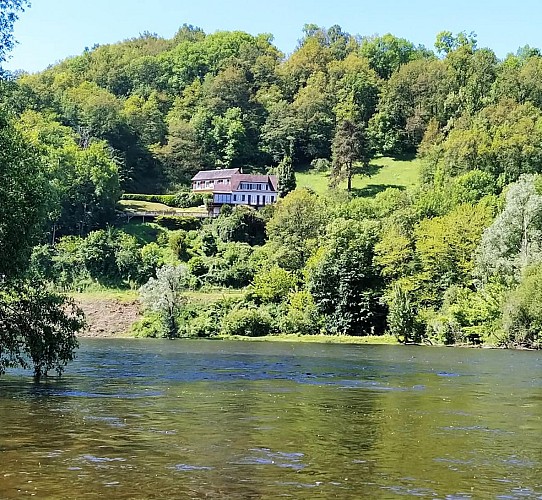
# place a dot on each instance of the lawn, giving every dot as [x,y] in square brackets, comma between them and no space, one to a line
[384,173]
[149,206]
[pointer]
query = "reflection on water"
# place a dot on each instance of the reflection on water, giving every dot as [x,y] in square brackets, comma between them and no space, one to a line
[201,419]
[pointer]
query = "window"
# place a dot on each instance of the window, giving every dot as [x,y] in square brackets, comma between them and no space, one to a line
[243,197]
[234,197]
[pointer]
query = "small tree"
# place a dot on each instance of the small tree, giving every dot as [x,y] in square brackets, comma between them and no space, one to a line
[37,328]
[164,295]
[286,177]
[402,316]
[350,145]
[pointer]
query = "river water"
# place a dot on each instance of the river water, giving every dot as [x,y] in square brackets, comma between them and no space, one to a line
[204,419]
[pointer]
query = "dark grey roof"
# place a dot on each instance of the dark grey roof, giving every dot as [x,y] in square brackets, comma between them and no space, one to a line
[209,175]
[263,179]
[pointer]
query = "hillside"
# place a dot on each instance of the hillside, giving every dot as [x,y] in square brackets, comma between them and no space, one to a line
[384,172]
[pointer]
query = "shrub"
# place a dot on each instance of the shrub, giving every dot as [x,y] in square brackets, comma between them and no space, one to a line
[174,222]
[150,325]
[301,317]
[247,322]
[273,285]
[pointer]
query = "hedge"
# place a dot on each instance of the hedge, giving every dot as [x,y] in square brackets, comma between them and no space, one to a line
[184,199]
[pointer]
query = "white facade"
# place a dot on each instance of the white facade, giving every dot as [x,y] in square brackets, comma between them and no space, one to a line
[230,187]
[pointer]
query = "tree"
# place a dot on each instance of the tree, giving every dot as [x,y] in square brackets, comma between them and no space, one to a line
[286,177]
[446,42]
[37,328]
[402,316]
[445,249]
[350,145]
[344,282]
[387,53]
[165,296]
[273,285]
[513,241]
[295,228]
[244,225]
[522,312]
[8,16]
[24,199]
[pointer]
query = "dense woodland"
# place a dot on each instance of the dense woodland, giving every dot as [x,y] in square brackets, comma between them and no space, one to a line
[457,259]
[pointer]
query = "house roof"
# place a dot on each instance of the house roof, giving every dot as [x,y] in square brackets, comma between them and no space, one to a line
[261,179]
[211,175]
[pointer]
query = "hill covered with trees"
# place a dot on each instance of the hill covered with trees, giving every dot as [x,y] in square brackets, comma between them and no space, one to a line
[455,259]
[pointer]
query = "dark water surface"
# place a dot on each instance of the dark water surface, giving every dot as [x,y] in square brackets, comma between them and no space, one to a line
[201,419]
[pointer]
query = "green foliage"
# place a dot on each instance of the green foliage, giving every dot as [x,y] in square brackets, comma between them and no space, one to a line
[445,249]
[301,316]
[471,317]
[286,177]
[179,200]
[176,222]
[344,282]
[247,322]
[244,225]
[295,227]
[402,317]
[164,295]
[522,313]
[350,146]
[24,198]
[386,54]
[37,329]
[232,267]
[273,285]
[146,114]
[512,242]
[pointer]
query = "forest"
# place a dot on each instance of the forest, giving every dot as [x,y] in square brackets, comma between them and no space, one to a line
[454,259]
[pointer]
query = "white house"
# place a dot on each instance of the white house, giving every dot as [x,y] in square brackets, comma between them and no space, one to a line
[231,187]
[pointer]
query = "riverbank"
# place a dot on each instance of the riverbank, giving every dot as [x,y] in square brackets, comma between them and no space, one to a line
[111,314]
[319,338]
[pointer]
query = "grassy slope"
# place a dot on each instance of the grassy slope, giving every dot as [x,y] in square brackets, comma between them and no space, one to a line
[384,173]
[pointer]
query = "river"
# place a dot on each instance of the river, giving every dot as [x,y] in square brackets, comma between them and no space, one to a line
[220,419]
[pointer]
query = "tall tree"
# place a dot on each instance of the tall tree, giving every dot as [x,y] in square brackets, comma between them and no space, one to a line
[286,177]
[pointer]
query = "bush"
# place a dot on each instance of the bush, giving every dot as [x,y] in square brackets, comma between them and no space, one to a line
[273,285]
[301,317]
[522,314]
[174,222]
[150,325]
[243,225]
[247,322]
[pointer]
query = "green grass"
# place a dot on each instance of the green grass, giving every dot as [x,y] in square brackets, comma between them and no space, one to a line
[145,232]
[199,297]
[384,173]
[98,293]
[148,206]
[324,339]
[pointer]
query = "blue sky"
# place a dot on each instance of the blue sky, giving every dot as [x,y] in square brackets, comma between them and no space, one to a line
[54,29]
